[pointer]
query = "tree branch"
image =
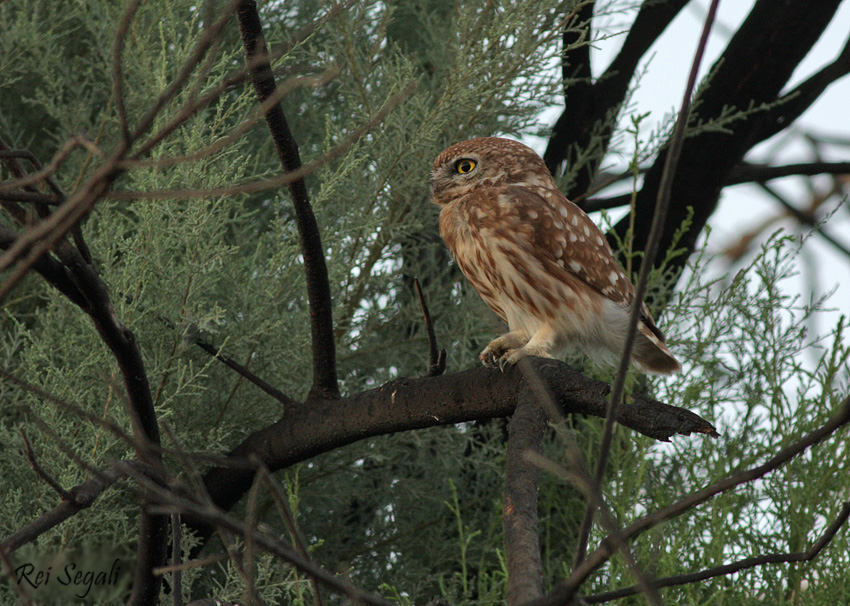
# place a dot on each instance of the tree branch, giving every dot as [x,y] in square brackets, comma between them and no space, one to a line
[522,480]
[564,591]
[436,356]
[727,569]
[405,404]
[746,172]
[587,104]
[752,71]
[325,383]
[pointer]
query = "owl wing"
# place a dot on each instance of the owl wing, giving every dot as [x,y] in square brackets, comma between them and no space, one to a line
[560,232]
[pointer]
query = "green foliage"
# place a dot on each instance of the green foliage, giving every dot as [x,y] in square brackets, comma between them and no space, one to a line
[414,516]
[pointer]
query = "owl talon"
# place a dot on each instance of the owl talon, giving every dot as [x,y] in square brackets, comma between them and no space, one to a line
[503,362]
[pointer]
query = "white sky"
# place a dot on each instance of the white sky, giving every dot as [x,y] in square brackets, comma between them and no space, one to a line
[745,206]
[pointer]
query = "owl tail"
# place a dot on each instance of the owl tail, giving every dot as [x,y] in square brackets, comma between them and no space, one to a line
[650,354]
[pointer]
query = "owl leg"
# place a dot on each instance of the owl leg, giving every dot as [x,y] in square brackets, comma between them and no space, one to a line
[500,347]
[544,344]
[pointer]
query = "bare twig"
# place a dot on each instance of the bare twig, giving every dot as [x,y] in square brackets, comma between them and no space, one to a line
[650,253]
[10,572]
[288,516]
[167,500]
[746,172]
[436,356]
[57,488]
[562,593]
[285,179]
[743,173]
[247,374]
[804,218]
[82,496]
[118,70]
[727,569]
[176,560]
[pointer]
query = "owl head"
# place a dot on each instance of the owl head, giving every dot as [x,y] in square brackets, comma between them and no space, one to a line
[484,162]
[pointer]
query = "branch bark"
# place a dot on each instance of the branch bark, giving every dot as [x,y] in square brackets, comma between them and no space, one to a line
[522,480]
[752,71]
[318,286]
[405,404]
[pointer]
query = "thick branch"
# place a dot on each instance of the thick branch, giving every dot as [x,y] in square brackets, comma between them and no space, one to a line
[752,71]
[318,286]
[522,480]
[588,105]
[406,404]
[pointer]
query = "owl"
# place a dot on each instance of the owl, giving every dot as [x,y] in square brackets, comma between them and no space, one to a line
[537,259]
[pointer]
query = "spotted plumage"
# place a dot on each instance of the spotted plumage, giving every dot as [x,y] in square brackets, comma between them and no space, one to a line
[536,259]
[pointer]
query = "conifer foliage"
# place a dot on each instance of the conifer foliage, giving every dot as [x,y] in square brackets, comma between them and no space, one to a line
[238,363]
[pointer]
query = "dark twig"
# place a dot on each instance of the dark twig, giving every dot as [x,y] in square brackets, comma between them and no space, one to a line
[804,219]
[650,253]
[82,496]
[743,173]
[168,500]
[10,572]
[746,172]
[57,488]
[288,516]
[176,560]
[437,356]
[285,179]
[247,374]
[800,98]
[325,382]
[562,593]
[210,37]
[30,198]
[118,70]
[522,480]
[727,569]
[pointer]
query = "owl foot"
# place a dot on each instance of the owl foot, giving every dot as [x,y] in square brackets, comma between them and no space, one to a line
[509,349]
[512,357]
[496,353]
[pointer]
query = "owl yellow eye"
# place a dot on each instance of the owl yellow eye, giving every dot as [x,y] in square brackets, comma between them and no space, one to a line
[464,166]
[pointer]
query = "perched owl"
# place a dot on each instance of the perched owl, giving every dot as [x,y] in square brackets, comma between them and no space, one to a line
[536,259]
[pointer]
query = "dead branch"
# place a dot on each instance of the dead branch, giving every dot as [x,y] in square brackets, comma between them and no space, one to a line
[770,558]
[564,591]
[436,356]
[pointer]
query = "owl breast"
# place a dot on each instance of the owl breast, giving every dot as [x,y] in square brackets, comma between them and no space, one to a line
[525,286]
